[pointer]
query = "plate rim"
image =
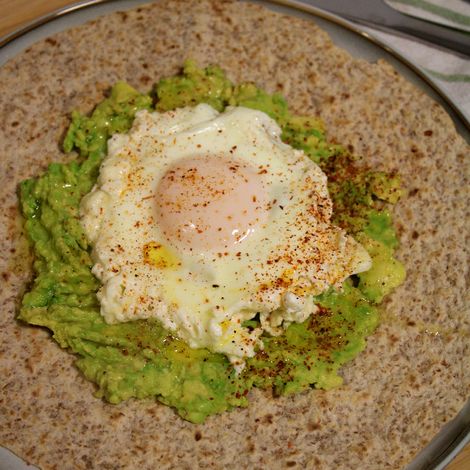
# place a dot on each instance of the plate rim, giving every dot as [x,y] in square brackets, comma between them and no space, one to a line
[462,437]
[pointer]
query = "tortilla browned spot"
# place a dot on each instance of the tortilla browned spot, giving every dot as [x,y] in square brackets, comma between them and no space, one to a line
[414,375]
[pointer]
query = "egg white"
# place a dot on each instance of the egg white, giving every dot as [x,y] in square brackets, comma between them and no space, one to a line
[205,296]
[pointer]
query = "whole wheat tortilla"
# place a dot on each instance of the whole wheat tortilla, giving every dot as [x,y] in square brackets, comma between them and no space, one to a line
[414,375]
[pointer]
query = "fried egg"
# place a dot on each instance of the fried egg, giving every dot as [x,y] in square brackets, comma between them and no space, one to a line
[204,220]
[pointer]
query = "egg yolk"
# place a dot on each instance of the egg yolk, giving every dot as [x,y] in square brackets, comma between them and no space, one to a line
[208,203]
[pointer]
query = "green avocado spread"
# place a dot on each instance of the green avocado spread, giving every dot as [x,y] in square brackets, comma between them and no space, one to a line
[141,359]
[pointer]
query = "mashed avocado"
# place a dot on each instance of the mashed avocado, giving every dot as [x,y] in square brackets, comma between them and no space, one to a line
[140,359]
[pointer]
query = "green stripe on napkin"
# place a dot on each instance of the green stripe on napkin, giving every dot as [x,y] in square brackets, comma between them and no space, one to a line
[451,77]
[452,14]
[437,10]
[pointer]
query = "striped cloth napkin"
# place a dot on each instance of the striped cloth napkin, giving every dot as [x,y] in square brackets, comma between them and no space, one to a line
[450,72]
[453,13]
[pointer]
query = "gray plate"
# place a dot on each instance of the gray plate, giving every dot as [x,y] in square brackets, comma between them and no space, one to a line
[456,434]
